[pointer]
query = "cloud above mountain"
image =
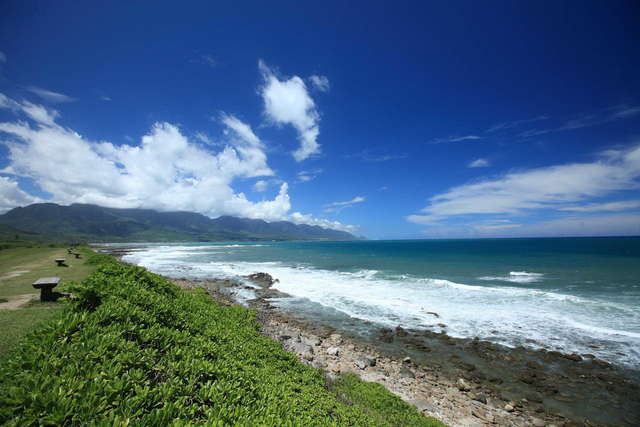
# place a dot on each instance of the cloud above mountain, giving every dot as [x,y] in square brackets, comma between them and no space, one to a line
[164,171]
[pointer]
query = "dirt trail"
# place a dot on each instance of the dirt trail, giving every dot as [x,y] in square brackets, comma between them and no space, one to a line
[17,301]
[13,274]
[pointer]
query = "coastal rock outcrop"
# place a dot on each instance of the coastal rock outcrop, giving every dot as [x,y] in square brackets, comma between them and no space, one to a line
[262,279]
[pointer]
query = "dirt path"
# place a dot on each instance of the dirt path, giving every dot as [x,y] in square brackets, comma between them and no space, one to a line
[17,301]
[13,274]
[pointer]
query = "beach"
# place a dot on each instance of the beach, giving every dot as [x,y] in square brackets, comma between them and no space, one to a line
[460,380]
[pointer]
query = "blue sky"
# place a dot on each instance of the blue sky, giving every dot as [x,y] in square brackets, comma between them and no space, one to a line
[392,120]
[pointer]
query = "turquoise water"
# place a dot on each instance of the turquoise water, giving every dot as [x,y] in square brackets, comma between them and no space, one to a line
[567,294]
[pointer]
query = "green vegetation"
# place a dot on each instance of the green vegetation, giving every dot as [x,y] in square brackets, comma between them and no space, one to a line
[17,323]
[134,348]
[376,401]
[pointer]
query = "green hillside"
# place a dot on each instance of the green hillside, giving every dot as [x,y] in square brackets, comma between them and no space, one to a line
[81,222]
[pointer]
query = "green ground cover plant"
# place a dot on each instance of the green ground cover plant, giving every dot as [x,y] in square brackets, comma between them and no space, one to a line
[134,348]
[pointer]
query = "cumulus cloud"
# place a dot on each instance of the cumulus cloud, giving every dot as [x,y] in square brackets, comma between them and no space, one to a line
[11,195]
[338,206]
[299,218]
[320,83]
[260,186]
[479,163]
[165,171]
[288,102]
[550,187]
[50,96]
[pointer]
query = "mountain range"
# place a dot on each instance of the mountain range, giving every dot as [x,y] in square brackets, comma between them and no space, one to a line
[91,223]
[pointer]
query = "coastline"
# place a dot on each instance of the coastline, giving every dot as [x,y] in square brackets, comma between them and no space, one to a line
[462,382]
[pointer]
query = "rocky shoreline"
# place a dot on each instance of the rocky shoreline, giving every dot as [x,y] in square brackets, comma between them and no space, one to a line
[463,382]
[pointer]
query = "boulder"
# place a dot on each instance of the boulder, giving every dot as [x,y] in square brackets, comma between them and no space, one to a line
[575,357]
[312,341]
[365,362]
[262,279]
[304,350]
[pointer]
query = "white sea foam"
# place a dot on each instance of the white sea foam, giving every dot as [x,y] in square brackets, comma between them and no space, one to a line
[516,277]
[510,315]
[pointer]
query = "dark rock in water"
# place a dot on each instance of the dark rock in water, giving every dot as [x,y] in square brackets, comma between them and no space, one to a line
[575,357]
[262,279]
[386,335]
[401,332]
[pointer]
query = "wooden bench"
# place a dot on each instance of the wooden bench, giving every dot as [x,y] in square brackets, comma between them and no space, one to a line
[46,285]
[60,262]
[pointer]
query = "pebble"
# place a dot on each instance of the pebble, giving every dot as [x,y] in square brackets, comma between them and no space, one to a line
[463,385]
[333,351]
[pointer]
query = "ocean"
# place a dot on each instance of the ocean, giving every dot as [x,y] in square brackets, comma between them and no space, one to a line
[577,295]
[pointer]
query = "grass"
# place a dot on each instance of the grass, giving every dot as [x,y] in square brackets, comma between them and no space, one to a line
[39,261]
[133,348]
[16,323]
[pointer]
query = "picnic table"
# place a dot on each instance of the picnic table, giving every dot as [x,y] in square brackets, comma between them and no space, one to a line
[46,285]
[77,255]
[60,262]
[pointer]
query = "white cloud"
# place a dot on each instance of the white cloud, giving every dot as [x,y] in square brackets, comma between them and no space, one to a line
[308,175]
[321,83]
[479,163]
[105,98]
[203,137]
[50,96]
[288,102]
[299,218]
[619,112]
[209,60]
[544,188]
[338,206]
[372,156]
[11,195]
[510,125]
[605,207]
[165,171]
[260,186]
[3,57]
[456,139]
